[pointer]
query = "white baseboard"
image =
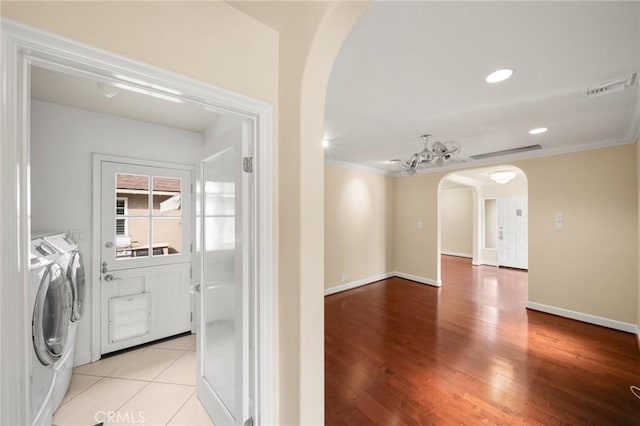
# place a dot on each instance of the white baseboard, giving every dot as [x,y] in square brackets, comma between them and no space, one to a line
[455,253]
[358,283]
[484,264]
[591,319]
[421,280]
[369,280]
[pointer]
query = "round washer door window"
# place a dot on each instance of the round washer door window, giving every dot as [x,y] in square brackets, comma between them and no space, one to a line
[76,279]
[51,315]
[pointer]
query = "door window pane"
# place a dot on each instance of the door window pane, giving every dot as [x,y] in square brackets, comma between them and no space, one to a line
[167,197]
[167,236]
[135,189]
[136,242]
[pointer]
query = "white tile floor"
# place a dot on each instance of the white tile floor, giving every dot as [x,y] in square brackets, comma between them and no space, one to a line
[153,385]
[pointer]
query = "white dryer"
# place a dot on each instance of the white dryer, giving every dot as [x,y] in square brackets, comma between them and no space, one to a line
[71,261]
[50,299]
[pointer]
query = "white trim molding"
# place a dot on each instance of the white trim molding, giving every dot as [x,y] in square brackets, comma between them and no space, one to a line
[23,46]
[588,318]
[370,280]
[456,254]
[485,264]
[421,280]
[356,284]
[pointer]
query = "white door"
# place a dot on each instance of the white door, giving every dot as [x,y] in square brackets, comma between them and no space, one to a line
[226,224]
[512,232]
[146,247]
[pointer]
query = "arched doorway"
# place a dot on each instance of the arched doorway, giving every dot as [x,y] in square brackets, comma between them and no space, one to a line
[491,203]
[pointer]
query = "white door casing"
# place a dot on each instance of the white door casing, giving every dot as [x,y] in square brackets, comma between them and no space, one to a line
[22,46]
[512,232]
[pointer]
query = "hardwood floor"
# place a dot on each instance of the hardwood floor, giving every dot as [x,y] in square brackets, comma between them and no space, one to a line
[398,352]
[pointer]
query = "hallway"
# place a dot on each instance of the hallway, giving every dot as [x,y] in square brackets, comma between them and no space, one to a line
[399,352]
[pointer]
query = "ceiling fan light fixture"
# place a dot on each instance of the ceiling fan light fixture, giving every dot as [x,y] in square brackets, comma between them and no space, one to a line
[502,177]
[499,75]
[438,155]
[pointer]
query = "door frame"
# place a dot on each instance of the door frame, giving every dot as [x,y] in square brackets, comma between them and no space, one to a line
[22,46]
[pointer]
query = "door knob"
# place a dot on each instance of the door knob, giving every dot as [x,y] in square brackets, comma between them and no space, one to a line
[110,277]
[194,288]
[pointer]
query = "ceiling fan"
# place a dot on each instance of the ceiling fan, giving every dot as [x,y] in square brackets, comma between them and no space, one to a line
[437,156]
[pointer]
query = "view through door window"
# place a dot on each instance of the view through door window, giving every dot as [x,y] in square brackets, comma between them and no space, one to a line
[148,209]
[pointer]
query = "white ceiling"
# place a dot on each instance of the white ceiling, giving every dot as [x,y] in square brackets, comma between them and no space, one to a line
[84,93]
[410,68]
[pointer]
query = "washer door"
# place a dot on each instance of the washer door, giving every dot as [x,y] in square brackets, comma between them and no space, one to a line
[51,315]
[76,279]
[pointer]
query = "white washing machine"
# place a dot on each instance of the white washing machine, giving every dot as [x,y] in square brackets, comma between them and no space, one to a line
[71,261]
[50,299]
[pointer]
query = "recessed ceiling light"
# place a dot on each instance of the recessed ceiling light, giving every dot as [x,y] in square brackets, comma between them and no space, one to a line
[499,75]
[325,143]
[538,130]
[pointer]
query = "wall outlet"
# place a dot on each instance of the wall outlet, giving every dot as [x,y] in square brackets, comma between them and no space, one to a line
[345,278]
[559,221]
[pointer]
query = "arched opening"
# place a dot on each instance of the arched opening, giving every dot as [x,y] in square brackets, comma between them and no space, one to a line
[482,216]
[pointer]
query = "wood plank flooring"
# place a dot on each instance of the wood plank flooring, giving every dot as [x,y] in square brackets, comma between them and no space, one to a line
[398,352]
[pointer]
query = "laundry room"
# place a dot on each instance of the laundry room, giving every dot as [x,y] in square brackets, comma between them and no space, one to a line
[112,177]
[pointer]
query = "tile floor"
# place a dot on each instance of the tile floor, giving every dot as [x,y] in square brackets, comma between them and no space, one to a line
[153,385]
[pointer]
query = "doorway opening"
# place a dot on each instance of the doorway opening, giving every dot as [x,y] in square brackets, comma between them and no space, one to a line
[484,217]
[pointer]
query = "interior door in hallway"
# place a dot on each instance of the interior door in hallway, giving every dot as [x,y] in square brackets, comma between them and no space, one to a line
[512,232]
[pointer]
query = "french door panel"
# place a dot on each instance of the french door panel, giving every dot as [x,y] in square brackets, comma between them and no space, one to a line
[223,349]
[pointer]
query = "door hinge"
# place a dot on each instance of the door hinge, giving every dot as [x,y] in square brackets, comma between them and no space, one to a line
[191,189]
[191,247]
[247,164]
[190,272]
[191,317]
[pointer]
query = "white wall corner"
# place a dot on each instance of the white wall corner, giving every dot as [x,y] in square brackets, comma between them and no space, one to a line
[588,318]
[358,283]
[421,280]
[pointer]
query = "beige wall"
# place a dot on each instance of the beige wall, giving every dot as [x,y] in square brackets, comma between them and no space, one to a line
[210,41]
[456,216]
[638,186]
[359,224]
[590,267]
[416,246]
